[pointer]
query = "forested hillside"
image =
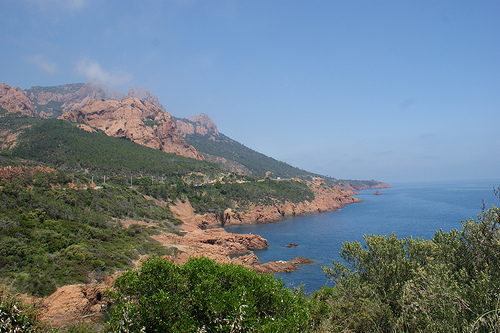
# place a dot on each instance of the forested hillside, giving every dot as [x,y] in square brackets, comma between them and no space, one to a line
[256,162]
[63,145]
[214,145]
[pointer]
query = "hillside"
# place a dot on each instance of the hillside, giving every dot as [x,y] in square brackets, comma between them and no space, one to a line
[199,131]
[202,133]
[70,194]
[63,145]
[79,205]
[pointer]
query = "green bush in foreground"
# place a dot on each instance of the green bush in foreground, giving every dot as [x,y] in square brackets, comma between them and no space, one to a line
[204,296]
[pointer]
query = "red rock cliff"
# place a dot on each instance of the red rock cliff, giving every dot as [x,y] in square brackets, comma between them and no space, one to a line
[135,120]
[13,99]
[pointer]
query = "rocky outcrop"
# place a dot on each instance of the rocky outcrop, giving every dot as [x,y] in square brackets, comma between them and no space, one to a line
[75,303]
[201,124]
[327,199]
[134,120]
[70,96]
[354,186]
[145,95]
[14,100]
[281,265]
[75,96]
[218,244]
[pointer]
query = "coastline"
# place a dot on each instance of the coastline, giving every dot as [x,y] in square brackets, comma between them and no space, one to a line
[202,235]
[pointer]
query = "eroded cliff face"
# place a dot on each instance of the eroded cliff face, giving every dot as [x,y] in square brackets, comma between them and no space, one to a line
[14,100]
[135,120]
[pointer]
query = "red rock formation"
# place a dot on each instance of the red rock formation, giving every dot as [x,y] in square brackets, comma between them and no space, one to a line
[144,95]
[75,303]
[135,120]
[200,124]
[14,100]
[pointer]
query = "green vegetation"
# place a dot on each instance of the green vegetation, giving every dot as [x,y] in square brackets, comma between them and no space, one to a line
[62,145]
[450,283]
[17,316]
[150,121]
[256,162]
[52,234]
[53,107]
[236,192]
[203,296]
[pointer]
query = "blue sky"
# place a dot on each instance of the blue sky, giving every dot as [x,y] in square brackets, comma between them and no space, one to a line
[386,90]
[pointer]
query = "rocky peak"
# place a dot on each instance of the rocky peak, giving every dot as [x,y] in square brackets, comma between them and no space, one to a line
[145,95]
[135,120]
[14,100]
[201,124]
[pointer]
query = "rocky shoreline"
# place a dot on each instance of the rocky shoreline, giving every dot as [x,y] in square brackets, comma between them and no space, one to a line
[205,237]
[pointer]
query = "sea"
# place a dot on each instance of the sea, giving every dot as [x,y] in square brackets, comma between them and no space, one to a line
[416,209]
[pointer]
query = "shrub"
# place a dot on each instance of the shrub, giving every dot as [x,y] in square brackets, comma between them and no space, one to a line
[450,283]
[16,316]
[202,295]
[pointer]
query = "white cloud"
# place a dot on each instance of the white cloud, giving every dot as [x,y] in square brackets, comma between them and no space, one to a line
[44,65]
[92,71]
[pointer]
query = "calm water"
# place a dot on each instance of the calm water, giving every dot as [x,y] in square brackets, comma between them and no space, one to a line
[407,209]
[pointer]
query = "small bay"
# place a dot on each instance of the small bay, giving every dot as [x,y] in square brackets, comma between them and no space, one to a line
[416,209]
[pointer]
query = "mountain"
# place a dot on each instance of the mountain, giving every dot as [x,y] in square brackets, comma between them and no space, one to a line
[53,101]
[144,95]
[202,133]
[141,118]
[134,120]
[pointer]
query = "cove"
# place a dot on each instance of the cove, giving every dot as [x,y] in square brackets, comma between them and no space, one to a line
[415,209]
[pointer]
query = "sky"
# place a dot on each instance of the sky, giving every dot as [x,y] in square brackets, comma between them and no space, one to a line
[386,90]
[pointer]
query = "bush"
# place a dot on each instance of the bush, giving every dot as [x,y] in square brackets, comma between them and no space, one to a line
[450,283]
[16,316]
[203,296]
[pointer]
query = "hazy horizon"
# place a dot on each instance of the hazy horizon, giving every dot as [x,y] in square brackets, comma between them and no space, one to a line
[387,90]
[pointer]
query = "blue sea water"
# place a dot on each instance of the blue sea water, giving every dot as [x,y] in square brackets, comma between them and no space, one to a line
[415,209]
